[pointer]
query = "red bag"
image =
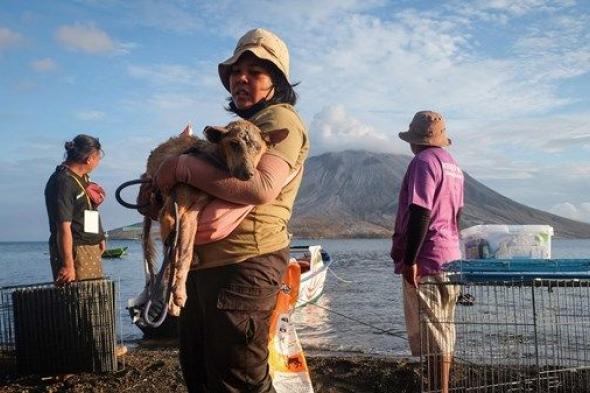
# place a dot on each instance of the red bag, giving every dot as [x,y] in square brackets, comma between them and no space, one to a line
[96,193]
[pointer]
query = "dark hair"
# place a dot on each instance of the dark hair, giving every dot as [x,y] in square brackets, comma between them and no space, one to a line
[283,90]
[81,147]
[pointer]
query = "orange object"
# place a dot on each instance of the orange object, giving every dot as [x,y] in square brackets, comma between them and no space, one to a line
[286,360]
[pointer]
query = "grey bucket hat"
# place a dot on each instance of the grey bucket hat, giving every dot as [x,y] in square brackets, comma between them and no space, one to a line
[263,44]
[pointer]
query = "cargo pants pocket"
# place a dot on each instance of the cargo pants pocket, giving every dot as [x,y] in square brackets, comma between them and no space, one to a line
[247,308]
[246,313]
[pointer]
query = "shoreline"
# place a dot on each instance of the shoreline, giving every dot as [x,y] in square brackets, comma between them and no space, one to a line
[156,369]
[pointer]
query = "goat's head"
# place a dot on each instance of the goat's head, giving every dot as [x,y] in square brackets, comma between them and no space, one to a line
[242,144]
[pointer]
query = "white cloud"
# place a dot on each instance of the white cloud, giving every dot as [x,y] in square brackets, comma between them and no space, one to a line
[574,172]
[380,56]
[501,11]
[90,115]
[408,61]
[9,38]
[580,141]
[182,16]
[88,38]
[44,65]
[546,182]
[557,49]
[533,135]
[497,167]
[536,160]
[332,129]
[578,212]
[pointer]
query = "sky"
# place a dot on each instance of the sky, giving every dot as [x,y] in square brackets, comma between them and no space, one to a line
[511,78]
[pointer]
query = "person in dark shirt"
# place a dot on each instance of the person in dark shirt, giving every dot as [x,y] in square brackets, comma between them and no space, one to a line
[77,240]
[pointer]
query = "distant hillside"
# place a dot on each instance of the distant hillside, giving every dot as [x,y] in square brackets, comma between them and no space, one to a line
[128,232]
[354,194]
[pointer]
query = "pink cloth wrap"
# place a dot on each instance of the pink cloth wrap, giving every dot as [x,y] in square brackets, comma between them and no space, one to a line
[218,219]
[234,198]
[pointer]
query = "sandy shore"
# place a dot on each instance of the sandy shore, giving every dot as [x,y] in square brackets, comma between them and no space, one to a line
[157,370]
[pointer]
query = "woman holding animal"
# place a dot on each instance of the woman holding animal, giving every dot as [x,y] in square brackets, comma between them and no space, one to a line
[224,325]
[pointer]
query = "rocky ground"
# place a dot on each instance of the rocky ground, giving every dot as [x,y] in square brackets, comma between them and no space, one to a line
[157,370]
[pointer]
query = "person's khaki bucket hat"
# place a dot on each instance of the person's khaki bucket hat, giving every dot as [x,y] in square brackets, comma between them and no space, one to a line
[427,129]
[263,44]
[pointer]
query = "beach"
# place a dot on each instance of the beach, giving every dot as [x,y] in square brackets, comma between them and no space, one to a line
[156,369]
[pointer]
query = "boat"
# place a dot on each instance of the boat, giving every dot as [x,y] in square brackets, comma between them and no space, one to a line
[314,263]
[114,252]
[313,260]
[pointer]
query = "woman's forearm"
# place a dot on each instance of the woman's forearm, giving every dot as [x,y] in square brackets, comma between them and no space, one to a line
[65,243]
[266,184]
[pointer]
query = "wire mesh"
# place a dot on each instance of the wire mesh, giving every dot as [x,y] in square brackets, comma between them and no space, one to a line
[46,329]
[7,355]
[515,336]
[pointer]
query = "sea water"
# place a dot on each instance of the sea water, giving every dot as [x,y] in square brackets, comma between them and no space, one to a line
[360,310]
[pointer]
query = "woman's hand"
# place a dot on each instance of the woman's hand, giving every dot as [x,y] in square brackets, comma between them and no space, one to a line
[149,203]
[66,274]
[410,273]
[165,177]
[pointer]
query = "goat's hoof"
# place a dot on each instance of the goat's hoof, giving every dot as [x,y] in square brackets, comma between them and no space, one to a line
[173,310]
[179,301]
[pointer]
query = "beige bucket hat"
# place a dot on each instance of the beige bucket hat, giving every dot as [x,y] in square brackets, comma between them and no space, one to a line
[263,44]
[427,129]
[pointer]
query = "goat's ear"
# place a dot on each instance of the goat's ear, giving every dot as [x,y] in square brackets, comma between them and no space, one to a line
[188,130]
[275,136]
[214,134]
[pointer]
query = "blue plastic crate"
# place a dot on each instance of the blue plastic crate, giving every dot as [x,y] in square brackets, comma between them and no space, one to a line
[482,270]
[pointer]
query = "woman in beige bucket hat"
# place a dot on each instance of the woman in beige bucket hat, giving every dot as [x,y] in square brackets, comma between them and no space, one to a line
[224,326]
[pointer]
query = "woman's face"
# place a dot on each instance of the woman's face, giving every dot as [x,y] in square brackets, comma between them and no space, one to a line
[93,160]
[249,82]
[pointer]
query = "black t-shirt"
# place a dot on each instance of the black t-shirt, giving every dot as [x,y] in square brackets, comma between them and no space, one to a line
[66,201]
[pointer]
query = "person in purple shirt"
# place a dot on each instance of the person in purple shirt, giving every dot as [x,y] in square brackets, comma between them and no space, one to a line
[426,237]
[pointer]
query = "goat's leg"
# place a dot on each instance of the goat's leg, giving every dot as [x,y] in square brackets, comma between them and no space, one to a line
[167,219]
[185,246]
[147,244]
[184,253]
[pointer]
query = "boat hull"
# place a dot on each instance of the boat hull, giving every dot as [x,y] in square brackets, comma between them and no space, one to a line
[114,252]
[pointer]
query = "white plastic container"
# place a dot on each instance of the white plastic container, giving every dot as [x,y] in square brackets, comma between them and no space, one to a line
[507,242]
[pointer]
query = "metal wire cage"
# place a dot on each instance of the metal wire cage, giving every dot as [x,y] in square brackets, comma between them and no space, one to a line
[46,329]
[527,335]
